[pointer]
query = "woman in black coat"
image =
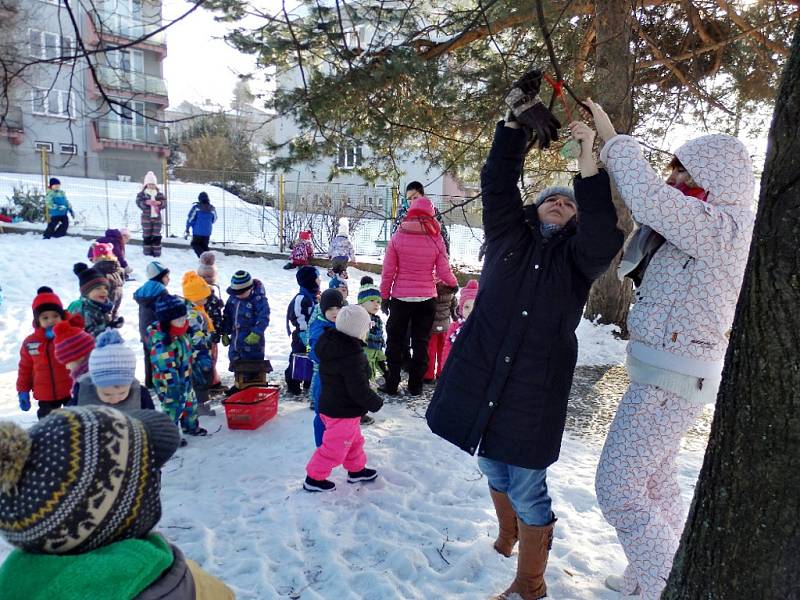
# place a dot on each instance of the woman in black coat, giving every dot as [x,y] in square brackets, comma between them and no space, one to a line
[504,389]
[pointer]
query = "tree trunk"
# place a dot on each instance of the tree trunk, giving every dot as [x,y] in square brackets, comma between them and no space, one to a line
[610,299]
[742,538]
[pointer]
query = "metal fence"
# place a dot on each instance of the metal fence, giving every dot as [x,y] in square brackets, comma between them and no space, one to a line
[260,209]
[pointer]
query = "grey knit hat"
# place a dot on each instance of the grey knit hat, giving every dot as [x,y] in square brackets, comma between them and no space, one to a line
[354,320]
[553,190]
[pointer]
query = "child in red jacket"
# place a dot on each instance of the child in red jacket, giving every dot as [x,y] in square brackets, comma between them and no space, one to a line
[39,370]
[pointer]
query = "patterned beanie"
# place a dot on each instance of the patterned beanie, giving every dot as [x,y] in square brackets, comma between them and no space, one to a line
[111,362]
[468,292]
[72,342]
[208,267]
[240,282]
[195,288]
[89,278]
[155,270]
[82,478]
[354,320]
[46,299]
[170,307]
[367,292]
[101,249]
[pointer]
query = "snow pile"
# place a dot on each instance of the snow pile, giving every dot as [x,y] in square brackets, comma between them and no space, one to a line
[234,502]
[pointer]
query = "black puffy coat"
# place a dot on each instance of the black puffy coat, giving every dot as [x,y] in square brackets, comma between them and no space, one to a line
[504,388]
[344,374]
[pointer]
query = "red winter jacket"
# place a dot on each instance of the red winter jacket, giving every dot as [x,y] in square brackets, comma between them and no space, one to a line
[415,259]
[40,371]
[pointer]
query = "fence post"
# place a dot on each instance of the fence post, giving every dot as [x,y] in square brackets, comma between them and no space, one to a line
[263,203]
[165,180]
[224,211]
[282,201]
[45,178]
[108,216]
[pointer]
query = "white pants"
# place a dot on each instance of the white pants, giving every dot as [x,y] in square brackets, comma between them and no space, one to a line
[637,483]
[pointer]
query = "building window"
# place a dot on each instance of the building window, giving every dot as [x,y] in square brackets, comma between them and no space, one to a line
[350,157]
[49,46]
[46,146]
[69,149]
[53,103]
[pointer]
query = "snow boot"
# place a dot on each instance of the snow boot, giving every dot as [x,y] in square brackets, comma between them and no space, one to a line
[317,485]
[362,475]
[204,410]
[196,432]
[534,547]
[507,521]
[388,390]
[367,420]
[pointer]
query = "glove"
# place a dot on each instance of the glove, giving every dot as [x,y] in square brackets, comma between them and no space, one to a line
[117,323]
[530,112]
[454,289]
[252,339]
[225,339]
[24,400]
[385,306]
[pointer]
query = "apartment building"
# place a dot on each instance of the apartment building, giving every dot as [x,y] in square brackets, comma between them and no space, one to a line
[100,120]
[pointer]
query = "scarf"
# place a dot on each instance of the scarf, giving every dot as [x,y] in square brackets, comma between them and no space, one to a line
[645,242]
[176,332]
[549,229]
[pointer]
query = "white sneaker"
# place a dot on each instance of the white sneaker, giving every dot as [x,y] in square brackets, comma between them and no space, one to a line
[616,583]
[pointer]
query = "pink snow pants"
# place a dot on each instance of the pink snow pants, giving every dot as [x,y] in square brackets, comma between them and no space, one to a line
[637,483]
[342,444]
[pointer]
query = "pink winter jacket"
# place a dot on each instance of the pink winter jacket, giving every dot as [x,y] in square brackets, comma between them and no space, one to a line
[411,258]
[684,308]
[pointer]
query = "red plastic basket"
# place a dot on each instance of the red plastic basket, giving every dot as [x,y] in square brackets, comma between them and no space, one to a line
[251,408]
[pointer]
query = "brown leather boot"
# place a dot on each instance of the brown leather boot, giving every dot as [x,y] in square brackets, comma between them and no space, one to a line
[534,546]
[507,521]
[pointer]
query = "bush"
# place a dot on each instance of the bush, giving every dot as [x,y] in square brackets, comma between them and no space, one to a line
[28,204]
[245,192]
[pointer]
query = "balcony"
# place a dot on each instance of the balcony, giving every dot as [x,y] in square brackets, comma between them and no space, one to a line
[130,81]
[124,134]
[11,125]
[116,27]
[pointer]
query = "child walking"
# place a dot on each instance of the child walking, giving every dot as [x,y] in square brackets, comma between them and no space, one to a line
[146,297]
[111,380]
[245,318]
[94,305]
[172,358]
[346,397]
[202,217]
[369,296]
[197,292]
[298,319]
[302,251]
[341,248]
[465,304]
[108,265]
[39,369]
[57,208]
[446,306]
[214,307]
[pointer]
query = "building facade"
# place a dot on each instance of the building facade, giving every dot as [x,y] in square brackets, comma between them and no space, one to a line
[100,121]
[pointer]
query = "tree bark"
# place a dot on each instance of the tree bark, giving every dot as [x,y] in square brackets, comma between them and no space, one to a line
[742,538]
[610,299]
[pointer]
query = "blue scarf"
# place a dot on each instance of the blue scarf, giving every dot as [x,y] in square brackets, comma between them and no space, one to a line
[549,229]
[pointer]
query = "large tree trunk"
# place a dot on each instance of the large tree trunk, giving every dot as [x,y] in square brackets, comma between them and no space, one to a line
[742,538]
[610,299]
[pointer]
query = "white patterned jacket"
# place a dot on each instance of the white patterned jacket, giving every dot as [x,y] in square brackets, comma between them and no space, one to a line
[685,305]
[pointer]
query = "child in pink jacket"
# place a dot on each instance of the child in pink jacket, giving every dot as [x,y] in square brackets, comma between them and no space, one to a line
[465,303]
[415,259]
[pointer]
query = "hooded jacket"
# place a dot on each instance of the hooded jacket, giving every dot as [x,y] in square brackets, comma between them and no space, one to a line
[39,370]
[146,297]
[341,246]
[685,305]
[344,373]
[201,219]
[243,316]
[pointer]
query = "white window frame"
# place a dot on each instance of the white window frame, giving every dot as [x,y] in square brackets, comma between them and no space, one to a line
[350,157]
[65,101]
[47,146]
[63,44]
[71,149]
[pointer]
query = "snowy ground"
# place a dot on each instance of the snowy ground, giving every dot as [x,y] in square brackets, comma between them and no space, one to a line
[233,501]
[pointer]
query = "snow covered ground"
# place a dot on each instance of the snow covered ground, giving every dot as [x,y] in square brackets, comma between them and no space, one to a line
[233,501]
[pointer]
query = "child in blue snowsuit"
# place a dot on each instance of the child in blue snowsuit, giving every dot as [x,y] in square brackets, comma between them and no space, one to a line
[57,208]
[323,317]
[245,318]
[201,219]
[298,317]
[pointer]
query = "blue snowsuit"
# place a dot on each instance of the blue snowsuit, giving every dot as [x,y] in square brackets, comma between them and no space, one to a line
[318,326]
[243,316]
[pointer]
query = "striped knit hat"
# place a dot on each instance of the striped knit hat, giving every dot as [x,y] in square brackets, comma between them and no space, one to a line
[111,362]
[240,282]
[82,478]
[72,342]
[170,307]
[89,278]
[368,291]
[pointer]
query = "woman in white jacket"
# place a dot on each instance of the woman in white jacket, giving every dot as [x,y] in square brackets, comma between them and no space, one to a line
[690,252]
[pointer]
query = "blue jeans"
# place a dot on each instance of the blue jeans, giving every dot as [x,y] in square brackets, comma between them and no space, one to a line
[525,488]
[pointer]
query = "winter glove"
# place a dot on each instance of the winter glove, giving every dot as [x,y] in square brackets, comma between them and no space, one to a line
[530,112]
[252,339]
[226,339]
[385,306]
[117,323]
[24,401]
